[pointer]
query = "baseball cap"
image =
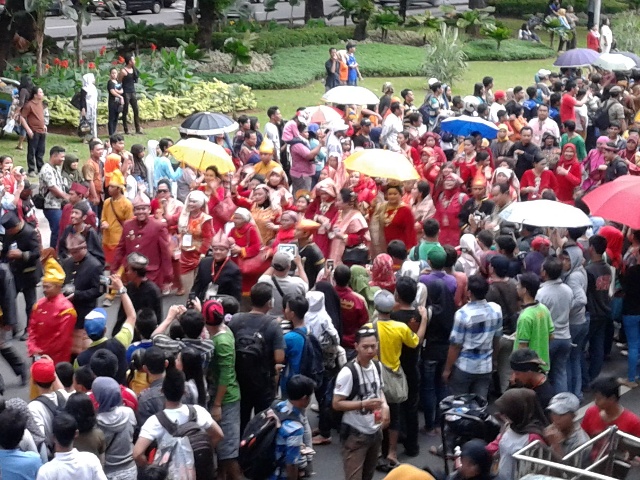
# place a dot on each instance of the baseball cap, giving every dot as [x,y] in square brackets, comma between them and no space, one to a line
[43,371]
[615,89]
[210,309]
[433,81]
[281,261]
[365,122]
[525,360]
[437,257]
[384,301]
[95,322]
[563,403]
[543,72]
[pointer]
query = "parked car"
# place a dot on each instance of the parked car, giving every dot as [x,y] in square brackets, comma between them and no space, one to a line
[134,6]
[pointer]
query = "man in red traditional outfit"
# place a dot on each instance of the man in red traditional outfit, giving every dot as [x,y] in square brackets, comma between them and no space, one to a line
[53,318]
[147,236]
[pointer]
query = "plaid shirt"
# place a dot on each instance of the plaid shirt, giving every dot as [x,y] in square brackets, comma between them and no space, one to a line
[474,327]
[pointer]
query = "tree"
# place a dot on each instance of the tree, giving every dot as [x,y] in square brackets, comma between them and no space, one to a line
[313,9]
[385,19]
[361,18]
[211,11]
[446,59]
[346,8]
[499,33]
[38,11]
[77,11]
[473,21]
[292,4]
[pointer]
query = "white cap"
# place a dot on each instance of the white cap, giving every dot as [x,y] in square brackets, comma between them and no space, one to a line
[433,80]
[338,126]
[543,72]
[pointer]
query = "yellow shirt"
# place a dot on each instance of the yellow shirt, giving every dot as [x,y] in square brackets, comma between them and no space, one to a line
[393,335]
[261,169]
[408,472]
[124,209]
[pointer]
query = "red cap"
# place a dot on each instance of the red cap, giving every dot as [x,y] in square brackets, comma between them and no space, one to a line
[209,311]
[79,189]
[43,371]
[538,242]
[499,95]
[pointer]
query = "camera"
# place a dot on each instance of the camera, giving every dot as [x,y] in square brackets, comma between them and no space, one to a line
[192,297]
[105,283]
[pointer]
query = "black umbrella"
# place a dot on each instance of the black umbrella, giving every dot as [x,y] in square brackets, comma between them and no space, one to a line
[207,123]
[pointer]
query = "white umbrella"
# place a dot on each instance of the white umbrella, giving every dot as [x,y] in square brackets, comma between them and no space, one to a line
[545,213]
[614,62]
[350,95]
[323,114]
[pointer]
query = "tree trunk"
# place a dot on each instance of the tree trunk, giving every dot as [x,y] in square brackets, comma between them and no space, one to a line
[360,32]
[402,10]
[40,19]
[7,31]
[188,12]
[205,26]
[313,9]
[79,38]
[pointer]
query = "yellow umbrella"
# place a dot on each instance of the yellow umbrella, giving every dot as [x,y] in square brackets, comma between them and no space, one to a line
[382,164]
[200,154]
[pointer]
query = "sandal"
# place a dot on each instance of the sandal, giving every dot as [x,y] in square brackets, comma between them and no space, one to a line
[392,463]
[19,148]
[383,465]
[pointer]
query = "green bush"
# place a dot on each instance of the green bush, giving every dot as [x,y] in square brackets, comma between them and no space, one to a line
[518,8]
[510,50]
[293,68]
[269,42]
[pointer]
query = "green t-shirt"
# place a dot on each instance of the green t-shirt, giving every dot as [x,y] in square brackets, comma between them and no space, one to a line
[425,247]
[535,326]
[581,149]
[222,368]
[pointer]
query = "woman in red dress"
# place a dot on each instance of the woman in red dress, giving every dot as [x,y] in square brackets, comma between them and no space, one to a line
[196,233]
[407,150]
[167,209]
[366,190]
[215,192]
[448,207]
[466,160]
[323,210]
[246,250]
[568,174]
[537,179]
[432,140]
[397,218]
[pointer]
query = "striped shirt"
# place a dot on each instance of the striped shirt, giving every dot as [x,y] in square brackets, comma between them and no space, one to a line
[474,327]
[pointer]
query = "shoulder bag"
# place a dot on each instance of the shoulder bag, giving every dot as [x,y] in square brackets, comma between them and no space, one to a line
[395,386]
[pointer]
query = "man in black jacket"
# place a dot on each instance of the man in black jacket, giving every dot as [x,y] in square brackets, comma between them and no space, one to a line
[8,321]
[524,152]
[21,249]
[599,280]
[79,226]
[218,275]
[81,284]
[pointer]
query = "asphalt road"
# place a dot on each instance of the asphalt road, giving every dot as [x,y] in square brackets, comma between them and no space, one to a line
[327,462]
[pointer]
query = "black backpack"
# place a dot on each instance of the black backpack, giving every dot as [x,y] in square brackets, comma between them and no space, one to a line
[54,410]
[257,451]
[198,439]
[76,100]
[252,361]
[312,359]
[602,121]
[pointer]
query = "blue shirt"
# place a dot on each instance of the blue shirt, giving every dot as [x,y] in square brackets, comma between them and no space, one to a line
[288,441]
[294,343]
[144,344]
[162,169]
[19,465]
[351,63]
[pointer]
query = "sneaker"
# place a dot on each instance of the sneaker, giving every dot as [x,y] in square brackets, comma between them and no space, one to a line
[314,407]
[627,383]
[107,302]
[25,336]
[624,353]
[320,440]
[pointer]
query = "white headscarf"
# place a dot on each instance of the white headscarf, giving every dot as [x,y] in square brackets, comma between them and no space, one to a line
[89,86]
[149,162]
[244,213]
[468,244]
[199,197]
[317,319]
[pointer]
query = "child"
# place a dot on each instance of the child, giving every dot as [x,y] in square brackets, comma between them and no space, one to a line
[83,379]
[64,371]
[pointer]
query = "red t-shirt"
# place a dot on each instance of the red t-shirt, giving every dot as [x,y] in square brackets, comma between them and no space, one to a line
[593,424]
[567,108]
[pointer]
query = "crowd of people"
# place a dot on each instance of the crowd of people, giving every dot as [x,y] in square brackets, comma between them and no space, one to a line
[301,278]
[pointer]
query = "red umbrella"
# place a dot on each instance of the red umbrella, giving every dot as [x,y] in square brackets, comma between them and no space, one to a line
[618,201]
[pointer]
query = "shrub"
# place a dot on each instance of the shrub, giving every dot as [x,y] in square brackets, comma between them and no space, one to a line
[297,67]
[625,30]
[446,59]
[518,8]
[510,50]
[211,96]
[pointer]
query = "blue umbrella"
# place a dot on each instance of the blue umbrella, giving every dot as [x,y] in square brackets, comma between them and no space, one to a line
[465,125]
[577,57]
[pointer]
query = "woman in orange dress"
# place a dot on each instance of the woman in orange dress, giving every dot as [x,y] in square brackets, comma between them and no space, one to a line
[350,228]
[265,215]
[196,233]
[324,211]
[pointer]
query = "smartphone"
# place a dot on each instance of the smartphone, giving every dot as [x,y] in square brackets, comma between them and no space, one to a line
[329,265]
[192,297]
[290,248]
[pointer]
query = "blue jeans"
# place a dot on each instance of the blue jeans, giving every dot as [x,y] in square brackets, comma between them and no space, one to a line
[559,352]
[579,334]
[432,390]
[53,216]
[632,329]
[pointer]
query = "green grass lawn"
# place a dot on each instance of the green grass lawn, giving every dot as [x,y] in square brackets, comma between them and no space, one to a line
[514,24]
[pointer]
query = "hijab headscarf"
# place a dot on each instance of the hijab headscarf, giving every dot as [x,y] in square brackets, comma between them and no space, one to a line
[468,243]
[327,186]
[382,274]
[149,162]
[68,172]
[615,241]
[22,407]
[569,146]
[243,213]
[89,86]
[331,304]
[107,393]
[476,451]
[201,199]
[521,406]
[359,283]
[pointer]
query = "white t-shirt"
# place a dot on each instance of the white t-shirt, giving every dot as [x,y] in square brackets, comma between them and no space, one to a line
[152,430]
[370,387]
[73,464]
[271,132]
[42,415]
